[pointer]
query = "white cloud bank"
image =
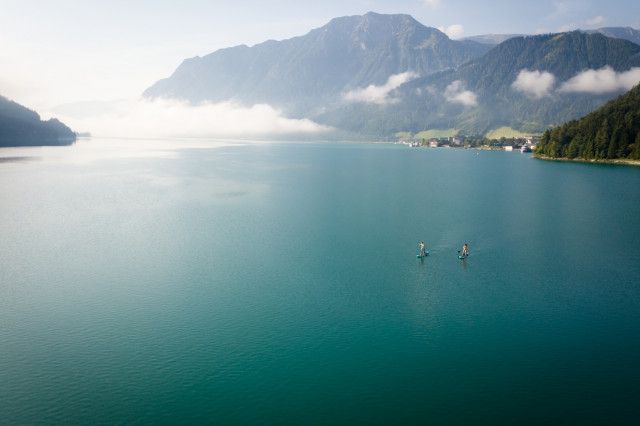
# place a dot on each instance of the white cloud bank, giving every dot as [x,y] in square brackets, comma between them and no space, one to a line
[604,80]
[171,118]
[380,94]
[456,94]
[453,31]
[536,84]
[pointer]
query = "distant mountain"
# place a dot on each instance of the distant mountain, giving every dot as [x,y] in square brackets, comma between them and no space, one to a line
[611,132]
[19,126]
[625,33]
[376,75]
[492,39]
[302,74]
[480,95]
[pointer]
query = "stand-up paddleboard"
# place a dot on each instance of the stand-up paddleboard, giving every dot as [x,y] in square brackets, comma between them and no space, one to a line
[426,253]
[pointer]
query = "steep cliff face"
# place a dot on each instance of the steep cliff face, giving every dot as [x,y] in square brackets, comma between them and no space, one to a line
[305,72]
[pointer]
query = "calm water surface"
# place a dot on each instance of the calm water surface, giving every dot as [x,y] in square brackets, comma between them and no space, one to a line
[277,283]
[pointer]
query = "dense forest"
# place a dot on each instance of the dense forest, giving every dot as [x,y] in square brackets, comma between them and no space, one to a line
[19,126]
[611,132]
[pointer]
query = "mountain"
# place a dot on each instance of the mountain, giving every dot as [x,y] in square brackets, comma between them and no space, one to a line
[625,33]
[376,75]
[492,39]
[479,96]
[611,132]
[304,73]
[19,126]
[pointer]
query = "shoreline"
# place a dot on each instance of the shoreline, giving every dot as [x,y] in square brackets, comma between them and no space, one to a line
[617,162]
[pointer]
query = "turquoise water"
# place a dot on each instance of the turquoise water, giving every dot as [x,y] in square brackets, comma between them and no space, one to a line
[277,283]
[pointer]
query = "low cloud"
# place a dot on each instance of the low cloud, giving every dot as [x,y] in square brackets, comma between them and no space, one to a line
[380,94]
[433,4]
[171,118]
[535,84]
[455,93]
[604,80]
[568,27]
[453,31]
[596,21]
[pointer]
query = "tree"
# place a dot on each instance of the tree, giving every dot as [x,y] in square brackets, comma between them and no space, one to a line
[601,139]
[635,152]
[573,149]
[612,150]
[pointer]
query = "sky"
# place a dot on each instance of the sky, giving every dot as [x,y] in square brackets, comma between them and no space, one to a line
[58,52]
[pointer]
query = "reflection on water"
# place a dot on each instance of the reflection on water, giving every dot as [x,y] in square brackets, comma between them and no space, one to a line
[98,149]
[464,263]
[17,159]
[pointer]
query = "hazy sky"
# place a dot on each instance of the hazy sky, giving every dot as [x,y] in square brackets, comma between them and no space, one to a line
[60,51]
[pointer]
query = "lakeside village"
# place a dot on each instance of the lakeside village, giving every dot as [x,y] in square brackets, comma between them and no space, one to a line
[523,144]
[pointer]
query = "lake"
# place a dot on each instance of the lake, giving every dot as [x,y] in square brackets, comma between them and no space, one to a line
[190,281]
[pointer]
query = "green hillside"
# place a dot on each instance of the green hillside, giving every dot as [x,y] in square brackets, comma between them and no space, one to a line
[506,132]
[611,132]
[436,133]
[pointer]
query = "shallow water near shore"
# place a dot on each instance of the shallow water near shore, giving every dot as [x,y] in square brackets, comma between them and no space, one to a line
[188,281]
